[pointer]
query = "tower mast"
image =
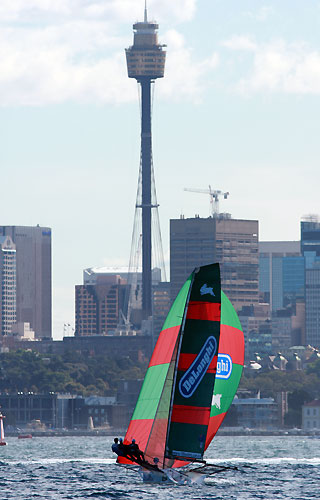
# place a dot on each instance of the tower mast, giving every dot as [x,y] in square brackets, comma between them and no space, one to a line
[145,63]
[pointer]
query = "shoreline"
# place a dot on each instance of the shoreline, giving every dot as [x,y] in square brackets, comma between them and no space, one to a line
[121,432]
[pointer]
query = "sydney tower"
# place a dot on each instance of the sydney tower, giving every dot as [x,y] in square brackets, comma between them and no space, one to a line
[146,62]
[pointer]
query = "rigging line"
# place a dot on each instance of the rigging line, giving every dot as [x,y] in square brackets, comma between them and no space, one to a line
[160,247]
[165,388]
[156,219]
[132,259]
[169,378]
[180,336]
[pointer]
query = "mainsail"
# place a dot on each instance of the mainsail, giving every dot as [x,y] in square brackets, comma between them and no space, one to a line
[192,376]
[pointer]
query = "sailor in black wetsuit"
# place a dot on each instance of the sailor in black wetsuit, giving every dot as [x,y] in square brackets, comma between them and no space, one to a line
[155,461]
[117,447]
[135,453]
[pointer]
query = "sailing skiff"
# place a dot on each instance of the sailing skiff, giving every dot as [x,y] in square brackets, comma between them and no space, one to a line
[190,383]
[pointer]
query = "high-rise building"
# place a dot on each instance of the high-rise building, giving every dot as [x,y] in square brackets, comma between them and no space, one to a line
[313,305]
[310,248]
[231,242]
[33,264]
[281,326]
[87,299]
[310,235]
[253,319]
[98,305]
[7,284]
[281,273]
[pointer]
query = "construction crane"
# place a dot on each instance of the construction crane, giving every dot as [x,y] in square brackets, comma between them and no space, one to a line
[214,197]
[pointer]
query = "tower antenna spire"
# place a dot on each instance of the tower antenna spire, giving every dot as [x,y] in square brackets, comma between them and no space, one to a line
[145,12]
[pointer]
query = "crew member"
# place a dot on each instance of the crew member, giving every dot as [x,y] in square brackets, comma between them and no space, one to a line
[115,446]
[135,452]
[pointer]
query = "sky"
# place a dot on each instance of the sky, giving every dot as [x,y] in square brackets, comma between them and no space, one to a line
[238,110]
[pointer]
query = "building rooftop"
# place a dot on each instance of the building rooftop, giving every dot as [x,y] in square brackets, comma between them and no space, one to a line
[315,402]
[279,247]
[253,401]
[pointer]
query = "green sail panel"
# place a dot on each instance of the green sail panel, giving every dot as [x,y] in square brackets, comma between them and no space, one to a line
[150,393]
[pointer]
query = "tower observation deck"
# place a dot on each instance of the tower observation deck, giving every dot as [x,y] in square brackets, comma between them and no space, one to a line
[146,57]
[145,63]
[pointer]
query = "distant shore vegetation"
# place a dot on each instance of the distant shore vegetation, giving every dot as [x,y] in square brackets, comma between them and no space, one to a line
[72,372]
[302,387]
[80,374]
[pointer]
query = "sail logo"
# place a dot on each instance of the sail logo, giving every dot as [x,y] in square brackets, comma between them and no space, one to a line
[216,401]
[224,366]
[197,370]
[205,289]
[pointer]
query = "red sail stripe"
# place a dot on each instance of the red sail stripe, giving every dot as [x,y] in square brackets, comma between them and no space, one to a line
[214,424]
[210,311]
[190,414]
[186,360]
[232,343]
[164,347]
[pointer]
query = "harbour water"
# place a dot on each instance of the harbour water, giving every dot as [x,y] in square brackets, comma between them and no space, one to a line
[52,468]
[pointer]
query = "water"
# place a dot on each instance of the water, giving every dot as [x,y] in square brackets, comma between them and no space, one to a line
[279,467]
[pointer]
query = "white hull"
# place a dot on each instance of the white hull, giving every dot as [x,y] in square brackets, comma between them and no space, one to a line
[171,476]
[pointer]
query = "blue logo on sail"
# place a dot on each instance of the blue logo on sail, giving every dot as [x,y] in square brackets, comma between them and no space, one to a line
[195,373]
[224,366]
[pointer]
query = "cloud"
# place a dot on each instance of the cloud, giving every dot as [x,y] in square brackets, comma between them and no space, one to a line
[185,77]
[240,42]
[52,51]
[113,10]
[261,15]
[278,66]
[37,69]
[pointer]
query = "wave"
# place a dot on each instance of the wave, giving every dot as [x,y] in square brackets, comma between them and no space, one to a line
[54,461]
[111,461]
[267,461]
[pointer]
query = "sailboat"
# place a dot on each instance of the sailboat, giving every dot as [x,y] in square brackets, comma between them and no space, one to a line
[190,383]
[2,441]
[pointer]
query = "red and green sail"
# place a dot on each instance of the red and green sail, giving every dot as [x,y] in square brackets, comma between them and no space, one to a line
[176,416]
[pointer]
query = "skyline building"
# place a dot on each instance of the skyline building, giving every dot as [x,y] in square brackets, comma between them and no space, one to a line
[7,285]
[145,63]
[281,273]
[310,235]
[98,304]
[313,305]
[33,276]
[231,242]
[90,314]
[310,248]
